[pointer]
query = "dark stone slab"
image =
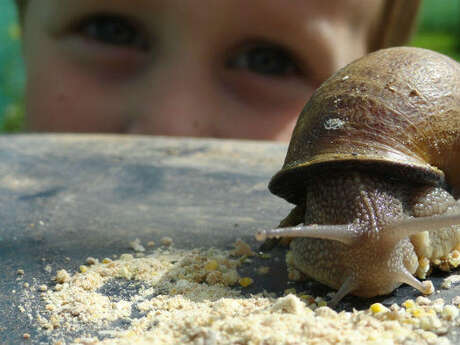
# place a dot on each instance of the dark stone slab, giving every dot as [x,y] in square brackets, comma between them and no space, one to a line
[72,196]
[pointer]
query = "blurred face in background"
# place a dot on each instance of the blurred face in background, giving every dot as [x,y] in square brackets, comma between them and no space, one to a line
[225,69]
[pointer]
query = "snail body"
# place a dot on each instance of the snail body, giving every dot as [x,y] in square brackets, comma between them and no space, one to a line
[374,160]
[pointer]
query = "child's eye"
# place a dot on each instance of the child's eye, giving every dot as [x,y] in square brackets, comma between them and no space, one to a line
[265,59]
[112,30]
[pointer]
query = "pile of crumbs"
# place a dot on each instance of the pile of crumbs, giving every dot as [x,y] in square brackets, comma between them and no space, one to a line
[190,297]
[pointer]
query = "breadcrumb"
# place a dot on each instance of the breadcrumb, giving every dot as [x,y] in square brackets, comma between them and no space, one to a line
[456,300]
[166,241]
[246,281]
[211,265]
[447,282]
[91,261]
[263,270]
[450,312]
[377,308]
[242,249]
[137,246]
[62,276]
[187,297]
[429,287]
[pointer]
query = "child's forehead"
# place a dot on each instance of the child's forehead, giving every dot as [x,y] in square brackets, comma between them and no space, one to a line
[295,10]
[293,18]
[305,15]
[306,9]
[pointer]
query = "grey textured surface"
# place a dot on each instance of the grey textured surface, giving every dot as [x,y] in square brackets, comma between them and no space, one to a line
[74,196]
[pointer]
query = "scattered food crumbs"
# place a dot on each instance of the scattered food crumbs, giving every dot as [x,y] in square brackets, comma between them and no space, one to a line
[151,243]
[137,246]
[447,282]
[48,268]
[189,297]
[20,272]
[126,257]
[290,291]
[166,241]
[450,312]
[456,300]
[377,308]
[26,336]
[429,287]
[91,261]
[454,258]
[263,270]
[242,249]
[246,281]
[43,287]
[422,300]
[408,304]
[211,265]
[62,276]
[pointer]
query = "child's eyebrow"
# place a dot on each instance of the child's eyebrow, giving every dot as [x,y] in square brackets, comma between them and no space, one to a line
[59,8]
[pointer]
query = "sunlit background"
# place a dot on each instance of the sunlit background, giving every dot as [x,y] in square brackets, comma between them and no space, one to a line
[438,29]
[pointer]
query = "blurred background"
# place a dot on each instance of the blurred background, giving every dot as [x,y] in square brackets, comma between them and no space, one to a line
[438,29]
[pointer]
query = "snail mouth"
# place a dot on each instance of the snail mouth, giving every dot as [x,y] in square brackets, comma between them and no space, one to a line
[291,182]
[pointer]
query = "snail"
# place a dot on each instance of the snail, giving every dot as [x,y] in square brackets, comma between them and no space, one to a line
[373,167]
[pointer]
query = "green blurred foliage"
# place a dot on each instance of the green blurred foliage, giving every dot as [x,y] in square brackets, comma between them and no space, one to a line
[11,71]
[443,42]
[13,118]
[438,29]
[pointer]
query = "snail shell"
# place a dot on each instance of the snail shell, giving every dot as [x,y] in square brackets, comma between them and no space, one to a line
[395,111]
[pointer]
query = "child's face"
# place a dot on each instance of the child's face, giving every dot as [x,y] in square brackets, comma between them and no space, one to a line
[226,68]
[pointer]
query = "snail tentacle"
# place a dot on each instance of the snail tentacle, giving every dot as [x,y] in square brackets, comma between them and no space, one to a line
[348,286]
[412,226]
[406,277]
[346,233]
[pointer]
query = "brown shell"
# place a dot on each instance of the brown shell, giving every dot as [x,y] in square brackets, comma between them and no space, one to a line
[394,112]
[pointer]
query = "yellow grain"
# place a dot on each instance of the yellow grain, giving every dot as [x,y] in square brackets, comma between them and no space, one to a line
[246,281]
